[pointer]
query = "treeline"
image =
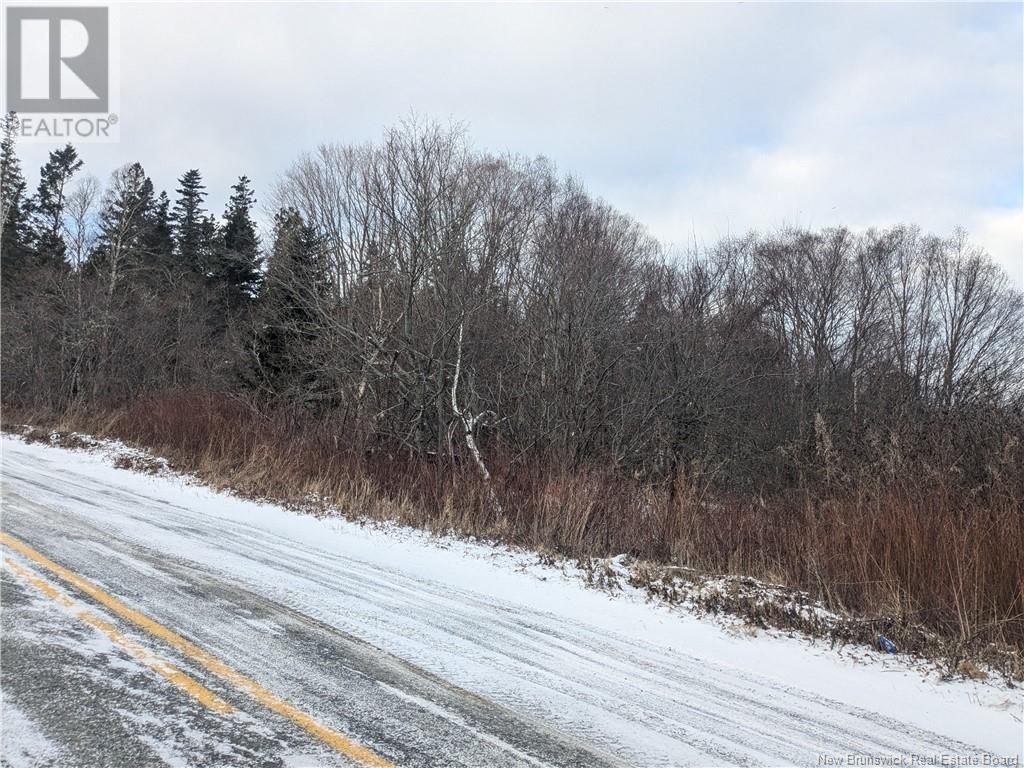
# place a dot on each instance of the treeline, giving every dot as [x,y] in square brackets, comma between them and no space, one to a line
[481,315]
[112,293]
[465,293]
[422,293]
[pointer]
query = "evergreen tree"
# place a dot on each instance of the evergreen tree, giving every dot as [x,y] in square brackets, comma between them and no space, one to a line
[124,224]
[14,206]
[211,246]
[238,267]
[49,203]
[190,226]
[296,282]
[159,235]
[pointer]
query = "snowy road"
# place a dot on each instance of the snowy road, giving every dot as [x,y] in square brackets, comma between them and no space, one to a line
[148,621]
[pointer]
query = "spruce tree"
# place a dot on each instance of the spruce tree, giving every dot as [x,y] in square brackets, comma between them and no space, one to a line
[190,227]
[211,246]
[159,236]
[124,224]
[295,284]
[238,268]
[14,207]
[49,204]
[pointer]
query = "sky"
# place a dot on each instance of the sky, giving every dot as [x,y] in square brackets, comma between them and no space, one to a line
[701,120]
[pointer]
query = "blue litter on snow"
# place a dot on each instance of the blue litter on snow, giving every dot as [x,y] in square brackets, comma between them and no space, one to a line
[886,644]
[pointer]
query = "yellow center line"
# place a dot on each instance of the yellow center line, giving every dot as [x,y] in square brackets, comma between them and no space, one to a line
[165,669]
[342,744]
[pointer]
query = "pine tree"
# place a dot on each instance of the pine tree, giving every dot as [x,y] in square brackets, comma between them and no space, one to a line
[238,268]
[190,227]
[14,206]
[48,206]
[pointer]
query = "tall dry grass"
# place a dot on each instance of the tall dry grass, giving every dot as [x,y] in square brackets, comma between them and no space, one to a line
[924,553]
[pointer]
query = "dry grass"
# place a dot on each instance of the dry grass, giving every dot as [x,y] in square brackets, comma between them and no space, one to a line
[920,560]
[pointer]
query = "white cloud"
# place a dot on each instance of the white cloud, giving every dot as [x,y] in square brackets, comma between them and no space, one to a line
[696,118]
[899,133]
[1002,233]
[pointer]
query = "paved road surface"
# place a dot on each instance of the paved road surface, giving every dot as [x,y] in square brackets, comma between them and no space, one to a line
[145,625]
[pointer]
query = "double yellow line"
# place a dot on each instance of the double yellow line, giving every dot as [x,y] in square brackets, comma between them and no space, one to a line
[163,668]
[342,744]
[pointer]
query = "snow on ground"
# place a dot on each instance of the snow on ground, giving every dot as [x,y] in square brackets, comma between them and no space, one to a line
[91,700]
[479,582]
[21,742]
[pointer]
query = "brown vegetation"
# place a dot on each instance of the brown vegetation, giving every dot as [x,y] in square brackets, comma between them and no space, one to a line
[458,340]
[939,571]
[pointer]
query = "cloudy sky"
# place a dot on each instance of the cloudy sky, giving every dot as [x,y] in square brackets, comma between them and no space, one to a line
[701,120]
